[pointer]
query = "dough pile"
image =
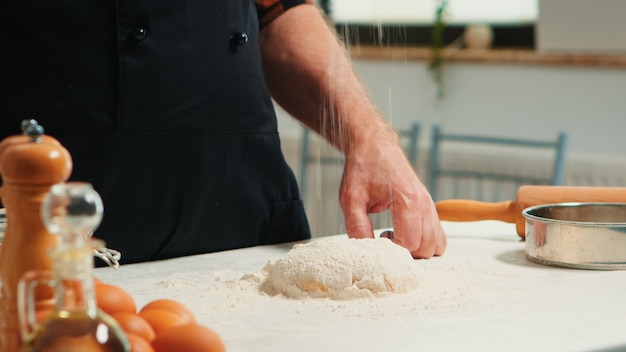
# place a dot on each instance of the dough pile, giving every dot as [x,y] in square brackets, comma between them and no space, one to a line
[342,269]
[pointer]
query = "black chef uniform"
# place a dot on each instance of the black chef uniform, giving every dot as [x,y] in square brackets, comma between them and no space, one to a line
[163,106]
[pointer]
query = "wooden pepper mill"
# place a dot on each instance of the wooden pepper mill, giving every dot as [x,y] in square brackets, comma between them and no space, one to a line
[29,165]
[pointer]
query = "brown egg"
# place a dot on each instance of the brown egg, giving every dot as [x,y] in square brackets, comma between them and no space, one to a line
[133,323]
[189,338]
[173,306]
[138,343]
[161,319]
[112,299]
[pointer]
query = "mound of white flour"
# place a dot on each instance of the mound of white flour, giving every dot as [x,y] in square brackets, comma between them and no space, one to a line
[342,269]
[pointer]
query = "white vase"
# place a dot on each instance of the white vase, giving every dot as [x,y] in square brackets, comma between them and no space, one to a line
[478,36]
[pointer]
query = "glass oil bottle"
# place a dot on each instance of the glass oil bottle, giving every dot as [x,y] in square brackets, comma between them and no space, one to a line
[70,210]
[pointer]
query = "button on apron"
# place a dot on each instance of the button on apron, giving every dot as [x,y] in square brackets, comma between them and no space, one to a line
[140,33]
[240,38]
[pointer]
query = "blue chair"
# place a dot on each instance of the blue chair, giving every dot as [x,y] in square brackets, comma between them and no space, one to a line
[408,137]
[437,170]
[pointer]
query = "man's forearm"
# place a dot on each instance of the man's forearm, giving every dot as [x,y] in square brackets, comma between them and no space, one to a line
[310,76]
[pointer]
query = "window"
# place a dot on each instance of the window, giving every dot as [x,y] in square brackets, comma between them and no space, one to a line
[409,22]
[422,11]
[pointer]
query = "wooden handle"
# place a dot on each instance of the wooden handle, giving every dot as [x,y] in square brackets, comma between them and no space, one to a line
[470,210]
[527,196]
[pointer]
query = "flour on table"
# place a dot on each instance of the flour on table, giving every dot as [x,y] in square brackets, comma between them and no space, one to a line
[342,269]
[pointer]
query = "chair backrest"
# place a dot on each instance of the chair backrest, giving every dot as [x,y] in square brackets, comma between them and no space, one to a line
[479,179]
[409,138]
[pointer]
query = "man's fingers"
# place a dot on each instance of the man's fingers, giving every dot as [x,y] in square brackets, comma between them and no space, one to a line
[417,226]
[442,242]
[433,240]
[358,224]
[407,223]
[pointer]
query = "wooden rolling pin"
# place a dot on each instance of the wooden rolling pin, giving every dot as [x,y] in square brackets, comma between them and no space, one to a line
[527,196]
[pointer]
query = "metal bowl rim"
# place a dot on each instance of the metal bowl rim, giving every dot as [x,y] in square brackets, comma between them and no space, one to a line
[528,216]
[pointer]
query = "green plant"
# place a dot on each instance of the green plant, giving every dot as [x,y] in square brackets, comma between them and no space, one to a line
[325,6]
[438,45]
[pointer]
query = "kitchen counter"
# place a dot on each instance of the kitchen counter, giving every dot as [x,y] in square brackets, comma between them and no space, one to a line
[481,295]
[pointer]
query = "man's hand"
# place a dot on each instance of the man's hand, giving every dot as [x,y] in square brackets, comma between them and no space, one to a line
[310,76]
[378,177]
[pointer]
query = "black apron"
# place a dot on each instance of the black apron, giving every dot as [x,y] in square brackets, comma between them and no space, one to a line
[163,107]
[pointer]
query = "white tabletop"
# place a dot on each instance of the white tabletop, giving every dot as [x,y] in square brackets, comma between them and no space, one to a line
[481,295]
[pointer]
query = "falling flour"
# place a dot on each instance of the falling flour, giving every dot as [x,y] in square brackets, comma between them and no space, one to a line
[342,269]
